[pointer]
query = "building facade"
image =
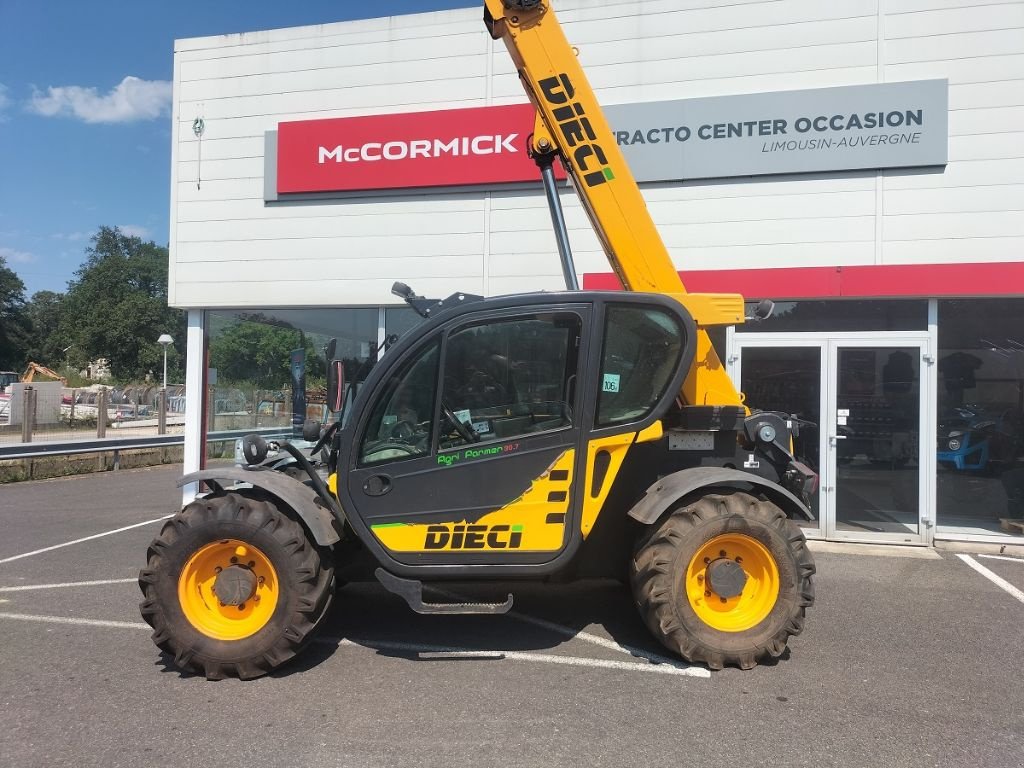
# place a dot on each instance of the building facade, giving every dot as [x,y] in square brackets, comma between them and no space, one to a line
[859,163]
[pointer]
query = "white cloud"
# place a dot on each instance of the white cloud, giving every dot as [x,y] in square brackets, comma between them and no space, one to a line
[71,236]
[131,100]
[134,230]
[13,256]
[4,101]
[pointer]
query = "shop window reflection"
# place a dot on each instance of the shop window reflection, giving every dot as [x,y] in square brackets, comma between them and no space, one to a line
[980,430]
[261,359]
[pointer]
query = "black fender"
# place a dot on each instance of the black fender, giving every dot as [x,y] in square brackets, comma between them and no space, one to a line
[671,488]
[293,493]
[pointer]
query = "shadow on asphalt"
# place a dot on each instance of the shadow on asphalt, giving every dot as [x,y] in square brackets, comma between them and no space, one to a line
[365,614]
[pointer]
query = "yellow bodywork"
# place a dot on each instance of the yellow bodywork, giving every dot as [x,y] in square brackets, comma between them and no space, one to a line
[570,121]
[538,517]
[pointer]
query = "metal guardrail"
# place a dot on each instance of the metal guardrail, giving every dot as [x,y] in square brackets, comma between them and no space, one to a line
[117,444]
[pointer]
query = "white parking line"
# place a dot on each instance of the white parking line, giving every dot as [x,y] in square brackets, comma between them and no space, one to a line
[1001,557]
[86,538]
[77,622]
[431,651]
[570,633]
[440,652]
[997,580]
[68,584]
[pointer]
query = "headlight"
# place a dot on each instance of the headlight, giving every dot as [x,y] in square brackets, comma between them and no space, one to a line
[954,445]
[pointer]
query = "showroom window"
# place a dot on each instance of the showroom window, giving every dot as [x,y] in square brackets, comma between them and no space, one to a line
[980,430]
[252,379]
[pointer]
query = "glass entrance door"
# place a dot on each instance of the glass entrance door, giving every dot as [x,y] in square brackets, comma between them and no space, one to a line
[860,402]
[789,378]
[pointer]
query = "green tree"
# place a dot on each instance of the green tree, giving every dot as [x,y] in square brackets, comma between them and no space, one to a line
[47,341]
[116,307]
[14,324]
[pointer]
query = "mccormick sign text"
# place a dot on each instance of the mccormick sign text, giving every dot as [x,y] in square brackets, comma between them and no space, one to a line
[425,149]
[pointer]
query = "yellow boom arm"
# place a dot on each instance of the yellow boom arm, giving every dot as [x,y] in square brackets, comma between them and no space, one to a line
[570,122]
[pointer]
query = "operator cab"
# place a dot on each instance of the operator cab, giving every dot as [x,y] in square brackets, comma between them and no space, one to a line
[482,422]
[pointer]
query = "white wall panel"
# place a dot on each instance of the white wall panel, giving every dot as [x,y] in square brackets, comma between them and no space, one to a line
[975,18]
[948,251]
[980,69]
[953,46]
[313,80]
[229,248]
[996,197]
[958,225]
[382,246]
[283,104]
[314,56]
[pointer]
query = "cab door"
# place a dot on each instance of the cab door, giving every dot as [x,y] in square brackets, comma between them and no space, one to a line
[465,452]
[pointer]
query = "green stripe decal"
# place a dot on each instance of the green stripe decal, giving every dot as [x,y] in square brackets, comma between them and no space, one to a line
[517,529]
[388,525]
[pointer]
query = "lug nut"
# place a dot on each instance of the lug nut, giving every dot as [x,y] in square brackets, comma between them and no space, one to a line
[252,563]
[722,599]
[262,579]
[707,560]
[241,606]
[721,553]
[739,559]
[700,578]
[234,559]
[217,569]
[707,593]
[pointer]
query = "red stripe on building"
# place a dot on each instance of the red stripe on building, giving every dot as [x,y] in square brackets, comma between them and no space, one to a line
[873,281]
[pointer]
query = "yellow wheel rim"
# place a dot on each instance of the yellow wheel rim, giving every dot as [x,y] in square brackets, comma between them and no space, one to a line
[760,591]
[199,598]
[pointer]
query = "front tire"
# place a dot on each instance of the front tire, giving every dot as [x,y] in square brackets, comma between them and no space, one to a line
[234,587]
[724,579]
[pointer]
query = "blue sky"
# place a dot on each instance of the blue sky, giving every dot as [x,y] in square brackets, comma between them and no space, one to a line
[81,146]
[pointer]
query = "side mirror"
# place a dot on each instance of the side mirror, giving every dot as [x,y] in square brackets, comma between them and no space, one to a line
[762,311]
[254,449]
[335,378]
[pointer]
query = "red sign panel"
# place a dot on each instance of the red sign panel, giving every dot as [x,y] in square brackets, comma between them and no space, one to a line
[483,145]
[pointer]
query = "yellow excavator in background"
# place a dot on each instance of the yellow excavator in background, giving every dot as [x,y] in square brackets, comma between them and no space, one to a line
[540,436]
[35,368]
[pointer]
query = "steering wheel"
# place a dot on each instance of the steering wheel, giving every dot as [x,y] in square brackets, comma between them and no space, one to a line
[465,432]
[403,430]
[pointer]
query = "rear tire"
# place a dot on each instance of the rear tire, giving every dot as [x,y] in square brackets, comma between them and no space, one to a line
[672,583]
[296,584]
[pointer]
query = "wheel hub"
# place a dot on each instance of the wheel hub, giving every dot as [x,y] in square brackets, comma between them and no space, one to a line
[235,585]
[726,578]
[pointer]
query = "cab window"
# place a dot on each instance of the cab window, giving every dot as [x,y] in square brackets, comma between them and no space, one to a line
[401,421]
[505,378]
[642,346]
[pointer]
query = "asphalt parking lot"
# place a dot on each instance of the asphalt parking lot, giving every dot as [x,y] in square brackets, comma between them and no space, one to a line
[906,661]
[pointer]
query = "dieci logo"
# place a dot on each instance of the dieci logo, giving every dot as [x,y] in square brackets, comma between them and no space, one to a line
[473,537]
[576,129]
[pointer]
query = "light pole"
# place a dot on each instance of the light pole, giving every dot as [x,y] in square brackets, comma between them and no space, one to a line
[164,340]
